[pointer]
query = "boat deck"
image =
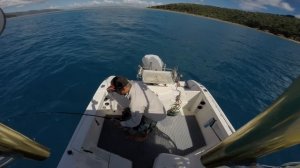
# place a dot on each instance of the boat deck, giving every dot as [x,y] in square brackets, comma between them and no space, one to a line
[178,135]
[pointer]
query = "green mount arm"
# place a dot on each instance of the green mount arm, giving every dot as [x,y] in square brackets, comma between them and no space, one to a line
[13,142]
[278,127]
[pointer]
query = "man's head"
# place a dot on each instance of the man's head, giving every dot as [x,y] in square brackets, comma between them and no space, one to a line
[120,85]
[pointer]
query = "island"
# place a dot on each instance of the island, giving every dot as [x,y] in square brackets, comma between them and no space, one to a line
[287,26]
[31,12]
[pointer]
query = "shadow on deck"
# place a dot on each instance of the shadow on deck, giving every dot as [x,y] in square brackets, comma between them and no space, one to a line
[142,154]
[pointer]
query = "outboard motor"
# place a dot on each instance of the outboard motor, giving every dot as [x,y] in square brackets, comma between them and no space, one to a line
[154,71]
[152,62]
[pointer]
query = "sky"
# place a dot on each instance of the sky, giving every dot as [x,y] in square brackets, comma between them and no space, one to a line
[286,7]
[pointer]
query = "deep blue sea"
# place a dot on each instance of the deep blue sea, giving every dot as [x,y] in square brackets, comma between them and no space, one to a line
[54,62]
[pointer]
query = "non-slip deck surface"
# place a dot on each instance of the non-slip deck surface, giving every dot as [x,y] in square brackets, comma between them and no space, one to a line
[178,135]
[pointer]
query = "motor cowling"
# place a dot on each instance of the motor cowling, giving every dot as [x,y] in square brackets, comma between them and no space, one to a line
[152,62]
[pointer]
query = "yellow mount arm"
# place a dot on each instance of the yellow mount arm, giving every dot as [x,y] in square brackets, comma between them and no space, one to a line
[13,142]
[276,128]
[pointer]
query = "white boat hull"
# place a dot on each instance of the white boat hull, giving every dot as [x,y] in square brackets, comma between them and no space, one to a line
[199,116]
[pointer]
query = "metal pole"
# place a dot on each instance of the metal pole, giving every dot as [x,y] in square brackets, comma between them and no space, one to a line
[2,21]
[278,127]
[13,142]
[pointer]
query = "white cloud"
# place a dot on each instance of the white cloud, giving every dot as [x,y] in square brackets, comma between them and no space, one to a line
[91,3]
[297,16]
[7,3]
[54,7]
[137,3]
[263,4]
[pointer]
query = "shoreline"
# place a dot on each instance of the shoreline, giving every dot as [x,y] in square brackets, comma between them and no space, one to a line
[31,14]
[224,21]
[178,12]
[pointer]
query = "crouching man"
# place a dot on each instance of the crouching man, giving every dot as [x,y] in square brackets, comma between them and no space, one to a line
[145,109]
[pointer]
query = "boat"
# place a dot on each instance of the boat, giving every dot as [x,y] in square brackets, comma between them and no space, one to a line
[195,123]
[196,133]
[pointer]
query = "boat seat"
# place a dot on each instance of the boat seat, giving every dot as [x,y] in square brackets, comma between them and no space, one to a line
[165,160]
[157,77]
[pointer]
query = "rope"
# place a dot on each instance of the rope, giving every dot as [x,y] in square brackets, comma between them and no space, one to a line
[175,109]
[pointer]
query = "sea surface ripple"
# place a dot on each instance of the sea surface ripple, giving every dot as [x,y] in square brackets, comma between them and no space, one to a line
[54,62]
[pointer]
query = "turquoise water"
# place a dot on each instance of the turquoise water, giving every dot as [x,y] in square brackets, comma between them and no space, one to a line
[54,63]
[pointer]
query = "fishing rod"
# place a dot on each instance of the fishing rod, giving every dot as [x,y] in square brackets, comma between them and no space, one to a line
[15,142]
[125,114]
[80,114]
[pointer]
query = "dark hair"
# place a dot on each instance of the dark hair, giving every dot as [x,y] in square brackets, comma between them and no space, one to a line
[119,82]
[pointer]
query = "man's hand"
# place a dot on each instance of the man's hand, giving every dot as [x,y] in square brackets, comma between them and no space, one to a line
[126,114]
[110,89]
[116,123]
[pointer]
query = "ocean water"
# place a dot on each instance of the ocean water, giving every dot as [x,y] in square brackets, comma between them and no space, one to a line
[54,62]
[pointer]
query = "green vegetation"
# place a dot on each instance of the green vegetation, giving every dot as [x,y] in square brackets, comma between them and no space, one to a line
[15,14]
[282,25]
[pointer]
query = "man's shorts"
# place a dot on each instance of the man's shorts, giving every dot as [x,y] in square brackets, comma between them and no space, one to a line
[145,127]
